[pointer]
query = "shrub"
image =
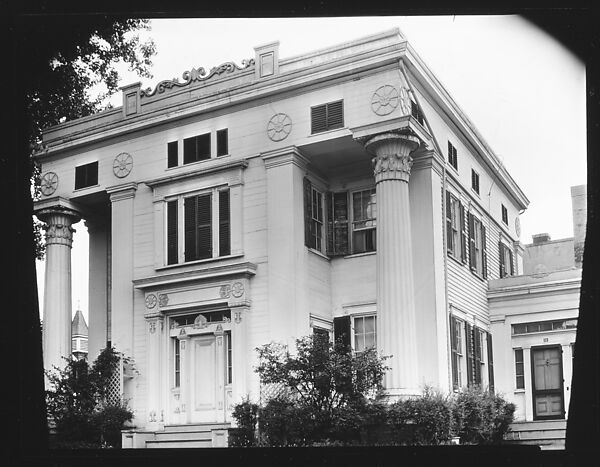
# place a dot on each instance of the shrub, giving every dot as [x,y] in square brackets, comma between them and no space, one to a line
[245,414]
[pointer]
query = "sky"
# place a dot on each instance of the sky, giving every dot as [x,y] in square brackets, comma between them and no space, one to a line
[522,89]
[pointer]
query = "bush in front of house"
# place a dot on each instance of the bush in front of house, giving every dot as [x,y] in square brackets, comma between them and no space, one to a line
[245,414]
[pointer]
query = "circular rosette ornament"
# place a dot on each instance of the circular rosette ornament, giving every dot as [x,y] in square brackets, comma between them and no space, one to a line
[49,183]
[279,127]
[122,165]
[385,100]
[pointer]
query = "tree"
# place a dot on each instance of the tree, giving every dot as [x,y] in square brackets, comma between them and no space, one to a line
[68,58]
[79,403]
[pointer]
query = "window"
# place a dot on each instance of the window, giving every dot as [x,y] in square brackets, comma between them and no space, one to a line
[196,148]
[327,116]
[506,260]
[543,326]
[313,206]
[490,358]
[210,317]
[198,226]
[267,63]
[342,332]
[475,360]
[172,154]
[222,143]
[475,181]
[519,369]
[177,363]
[415,111]
[365,332]
[86,175]
[364,215]
[504,215]
[477,247]
[456,234]
[229,362]
[337,224]
[456,344]
[452,156]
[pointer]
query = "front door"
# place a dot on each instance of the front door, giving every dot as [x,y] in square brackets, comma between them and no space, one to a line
[547,380]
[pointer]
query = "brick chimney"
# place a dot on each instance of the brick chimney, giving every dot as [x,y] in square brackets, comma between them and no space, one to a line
[540,238]
[579,206]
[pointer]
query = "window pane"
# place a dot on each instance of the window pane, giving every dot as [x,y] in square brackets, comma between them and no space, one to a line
[547,326]
[359,327]
[222,143]
[369,340]
[370,324]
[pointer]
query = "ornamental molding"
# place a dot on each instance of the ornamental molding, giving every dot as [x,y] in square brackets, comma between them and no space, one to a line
[49,183]
[163,300]
[122,165]
[385,100]
[151,301]
[196,75]
[60,234]
[392,164]
[200,322]
[279,127]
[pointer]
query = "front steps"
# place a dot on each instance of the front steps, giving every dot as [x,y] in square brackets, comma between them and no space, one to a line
[200,435]
[548,434]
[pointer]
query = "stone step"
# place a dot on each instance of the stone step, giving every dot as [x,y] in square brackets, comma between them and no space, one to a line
[178,443]
[539,425]
[545,444]
[197,427]
[183,435]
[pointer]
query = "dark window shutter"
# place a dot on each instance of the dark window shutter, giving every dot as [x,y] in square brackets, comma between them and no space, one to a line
[341,331]
[335,115]
[450,153]
[470,354]
[477,355]
[453,346]
[455,156]
[222,143]
[490,353]
[224,224]
[510,258]
[471,242]
[189,150]
[172,154]
[318,118]
[190,222]
[483,251]
[86,175]
[172,253]
[308,238]
[329,211]
[339,215]
[463,233]
[196,148]
[502,265]
[204,229]
[449,245]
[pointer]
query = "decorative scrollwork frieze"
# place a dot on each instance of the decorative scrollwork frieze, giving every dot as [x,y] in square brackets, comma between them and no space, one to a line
[196,74]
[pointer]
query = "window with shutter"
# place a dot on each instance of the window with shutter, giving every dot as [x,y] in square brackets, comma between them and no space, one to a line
[455,227]
[307,190]
[449,236]
[472,259]
[490,362]
[456,350]
[470,355]
[196,148]
[341,332]
[506,260]
[222,142]
[463,243]
[416,112]
[224,224]
[477,355]
[172,154]
[172,247]
[338,224]
[504,215]
[477,247]
[86,175]
[327,116]
[452,155]
[365,332]
[483,251]
[364,221]
[475,181]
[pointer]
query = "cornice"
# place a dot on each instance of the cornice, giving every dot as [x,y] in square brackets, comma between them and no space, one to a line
[57,204]
[121,192]
[404,124]
[534,289]
[221,167]
[245,269]
[284,156]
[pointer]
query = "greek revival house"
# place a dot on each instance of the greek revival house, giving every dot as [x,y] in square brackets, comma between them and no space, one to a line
[342,191]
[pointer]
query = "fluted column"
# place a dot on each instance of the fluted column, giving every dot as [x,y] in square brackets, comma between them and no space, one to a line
[57,284]
[396,329]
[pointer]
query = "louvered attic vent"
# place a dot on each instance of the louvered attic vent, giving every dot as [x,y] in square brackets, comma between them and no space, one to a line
[327,116]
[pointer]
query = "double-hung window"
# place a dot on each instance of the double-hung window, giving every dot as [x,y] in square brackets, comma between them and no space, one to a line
[198,226]
[314,216]
[365,332]
[456,234]
[506,260]
[456,345]
[519,369]
[364,221]
[198,148]
[475,181]
[452,155]
[477,246]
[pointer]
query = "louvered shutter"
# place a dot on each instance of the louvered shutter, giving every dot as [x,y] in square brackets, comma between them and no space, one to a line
[189,218]
[454,349]
[471,242]
[449,243]
[341,331]
[463,234]
[477,355]
[340,223]
[450,153]
[172,156]
[502,265]
[172,249]
[335,115]
[224,224]
[490,362]
[308,237]
[483,251]
[470,354]
[318,118]
[510,258]
[204,227]
[455,156]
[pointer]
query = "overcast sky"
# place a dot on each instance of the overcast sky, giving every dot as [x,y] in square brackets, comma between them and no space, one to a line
[523,90]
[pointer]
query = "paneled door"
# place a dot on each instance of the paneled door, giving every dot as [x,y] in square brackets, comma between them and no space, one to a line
[207,379]
[547,377]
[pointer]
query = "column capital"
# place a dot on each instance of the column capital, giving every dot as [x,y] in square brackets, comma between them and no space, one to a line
[58,220]
[392,151]
[120,192]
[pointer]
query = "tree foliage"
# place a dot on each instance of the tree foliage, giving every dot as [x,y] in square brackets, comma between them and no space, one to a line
[65,60]
[79,405]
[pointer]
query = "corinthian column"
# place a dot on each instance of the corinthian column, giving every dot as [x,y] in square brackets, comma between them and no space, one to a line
[57,284]
[396,332]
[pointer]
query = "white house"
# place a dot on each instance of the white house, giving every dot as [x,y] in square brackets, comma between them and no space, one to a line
[342,191]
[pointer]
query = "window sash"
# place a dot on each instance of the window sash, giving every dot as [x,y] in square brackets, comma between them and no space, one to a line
[519,369]
[365,332]
[177,363]
[364,220]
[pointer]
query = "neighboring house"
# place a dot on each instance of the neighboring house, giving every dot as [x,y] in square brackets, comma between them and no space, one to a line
[534,322]
[79,336]
[342,191]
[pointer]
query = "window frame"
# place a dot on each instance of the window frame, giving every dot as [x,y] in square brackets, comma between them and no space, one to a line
[176,362]
[362,316]
[452,156]
[352,221]
[477,246]
[504,214]
[457,350]
[317,225]
[519,375]
[475,179]
[328,126]
[505,258]
[181,227]
[84,179]
[456,235]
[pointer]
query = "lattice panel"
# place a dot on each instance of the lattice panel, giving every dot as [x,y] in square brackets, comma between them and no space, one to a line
[114,394]
[269,391]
